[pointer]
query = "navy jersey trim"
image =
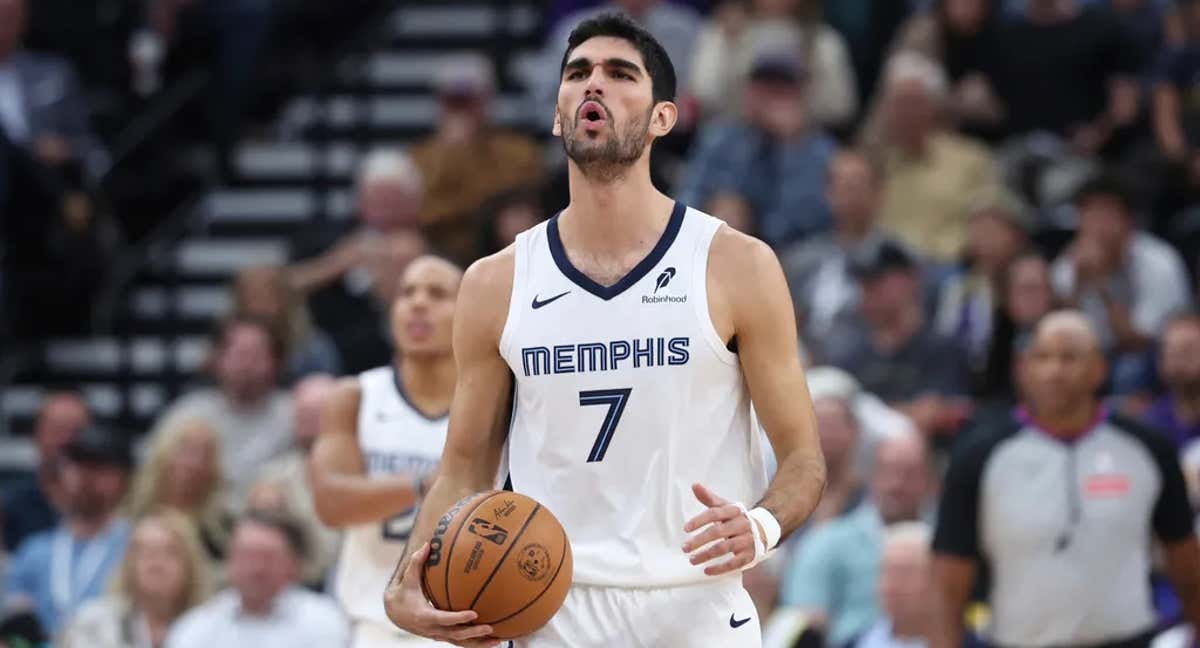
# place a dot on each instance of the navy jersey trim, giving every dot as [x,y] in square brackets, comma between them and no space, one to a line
[647,264]
[400,391]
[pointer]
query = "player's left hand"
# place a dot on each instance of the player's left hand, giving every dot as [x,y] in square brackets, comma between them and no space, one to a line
[726,531]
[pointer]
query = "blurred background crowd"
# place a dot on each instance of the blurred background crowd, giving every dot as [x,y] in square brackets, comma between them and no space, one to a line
[205,206]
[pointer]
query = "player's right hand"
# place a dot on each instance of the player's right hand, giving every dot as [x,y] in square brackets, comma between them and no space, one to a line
[408,608]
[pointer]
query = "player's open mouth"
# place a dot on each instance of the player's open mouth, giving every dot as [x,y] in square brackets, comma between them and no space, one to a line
[591,113]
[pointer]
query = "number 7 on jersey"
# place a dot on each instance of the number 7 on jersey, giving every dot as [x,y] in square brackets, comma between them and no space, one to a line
[615,399]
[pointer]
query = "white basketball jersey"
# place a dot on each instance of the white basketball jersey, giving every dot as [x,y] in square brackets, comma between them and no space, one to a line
[395,438]
[625,397]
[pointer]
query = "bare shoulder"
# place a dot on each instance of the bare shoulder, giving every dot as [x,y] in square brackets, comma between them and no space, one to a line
[342,405]
[484,295]
[742,267]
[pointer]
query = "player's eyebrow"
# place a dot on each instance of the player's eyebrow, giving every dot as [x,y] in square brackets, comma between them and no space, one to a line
[584,63]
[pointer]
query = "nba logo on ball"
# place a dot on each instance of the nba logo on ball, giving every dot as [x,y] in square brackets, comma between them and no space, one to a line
[534,562]
[514,575]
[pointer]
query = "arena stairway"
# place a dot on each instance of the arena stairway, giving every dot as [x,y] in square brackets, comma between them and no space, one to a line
[297,177]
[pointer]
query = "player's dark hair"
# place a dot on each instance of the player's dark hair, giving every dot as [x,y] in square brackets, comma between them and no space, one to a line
[654,57]
[1107,185]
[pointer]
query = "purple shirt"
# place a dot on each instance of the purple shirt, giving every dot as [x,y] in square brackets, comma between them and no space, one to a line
[1162,416]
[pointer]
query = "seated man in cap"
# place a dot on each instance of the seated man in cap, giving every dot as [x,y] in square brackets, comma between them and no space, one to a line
[55,571]
[894,351]
[765,173]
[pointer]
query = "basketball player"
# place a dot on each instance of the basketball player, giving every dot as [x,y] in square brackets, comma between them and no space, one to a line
[381,436]
[639,331]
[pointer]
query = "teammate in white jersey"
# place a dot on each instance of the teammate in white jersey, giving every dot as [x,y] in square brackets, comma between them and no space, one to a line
[638,332]
[381,438]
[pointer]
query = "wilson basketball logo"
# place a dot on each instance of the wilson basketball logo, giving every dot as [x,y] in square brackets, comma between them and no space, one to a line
[534,562]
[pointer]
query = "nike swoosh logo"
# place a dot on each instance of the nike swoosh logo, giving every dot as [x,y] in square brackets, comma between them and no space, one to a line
[538,304]
[734,623]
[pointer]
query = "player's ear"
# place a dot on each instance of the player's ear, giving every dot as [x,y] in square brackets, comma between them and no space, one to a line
[557,129]
[663,118]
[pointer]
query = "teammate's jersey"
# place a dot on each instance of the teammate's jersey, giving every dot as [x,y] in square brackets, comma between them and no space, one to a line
[395,437]
[625,397]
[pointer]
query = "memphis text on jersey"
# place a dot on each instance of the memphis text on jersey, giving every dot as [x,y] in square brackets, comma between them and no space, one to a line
[605,356]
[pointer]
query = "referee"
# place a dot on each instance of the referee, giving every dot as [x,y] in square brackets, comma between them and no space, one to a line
[1060,507]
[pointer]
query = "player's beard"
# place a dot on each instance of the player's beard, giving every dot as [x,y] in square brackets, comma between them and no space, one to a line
[606,162]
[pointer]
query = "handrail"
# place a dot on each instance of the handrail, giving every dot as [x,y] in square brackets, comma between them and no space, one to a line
[155,117]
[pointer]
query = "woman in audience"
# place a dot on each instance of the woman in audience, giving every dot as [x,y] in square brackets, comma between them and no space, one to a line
[739,29]
[1000,228]
[1027,296]
[266,293]
[182,472]
[164,574]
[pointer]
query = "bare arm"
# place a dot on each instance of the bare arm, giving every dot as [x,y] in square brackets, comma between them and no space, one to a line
[765,326]
[343,494]
[954,578]
[1167,130]
[1183,568]
[478,417]
[312,274]
[749,301]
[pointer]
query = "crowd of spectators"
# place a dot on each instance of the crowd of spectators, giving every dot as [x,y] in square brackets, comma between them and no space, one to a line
[936,178]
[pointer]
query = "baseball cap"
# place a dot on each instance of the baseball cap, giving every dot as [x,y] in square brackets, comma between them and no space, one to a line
[1002,202]
[99,445]
[778,65]
[886,256]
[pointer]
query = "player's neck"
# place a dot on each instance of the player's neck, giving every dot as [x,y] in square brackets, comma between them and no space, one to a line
[612,215]
[428,382]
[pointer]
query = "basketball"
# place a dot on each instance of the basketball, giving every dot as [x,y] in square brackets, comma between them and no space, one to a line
[503,555]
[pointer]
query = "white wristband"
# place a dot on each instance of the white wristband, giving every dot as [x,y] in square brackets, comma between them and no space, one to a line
[765,537]
[769,524]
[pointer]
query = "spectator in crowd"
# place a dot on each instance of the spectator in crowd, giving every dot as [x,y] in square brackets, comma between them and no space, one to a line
[1070,71]
[964,37]
[893,352]
[506,215]
[932,173]
[266,293]
[738,29]
[1127,281]
[1060,504]
[817,269]
[875,419]
[908,620]
[1177,412]
[165,573]
[182,472]
[289,474]
[968,300]
[671,24]
[1026,297]
[841,436]
[766,171]
[54,572]
[1176,116]
[351,283]
[468,159]
[52,256]
[42,106]
[32,504]
[251,415]
[263,606]
[835,574]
